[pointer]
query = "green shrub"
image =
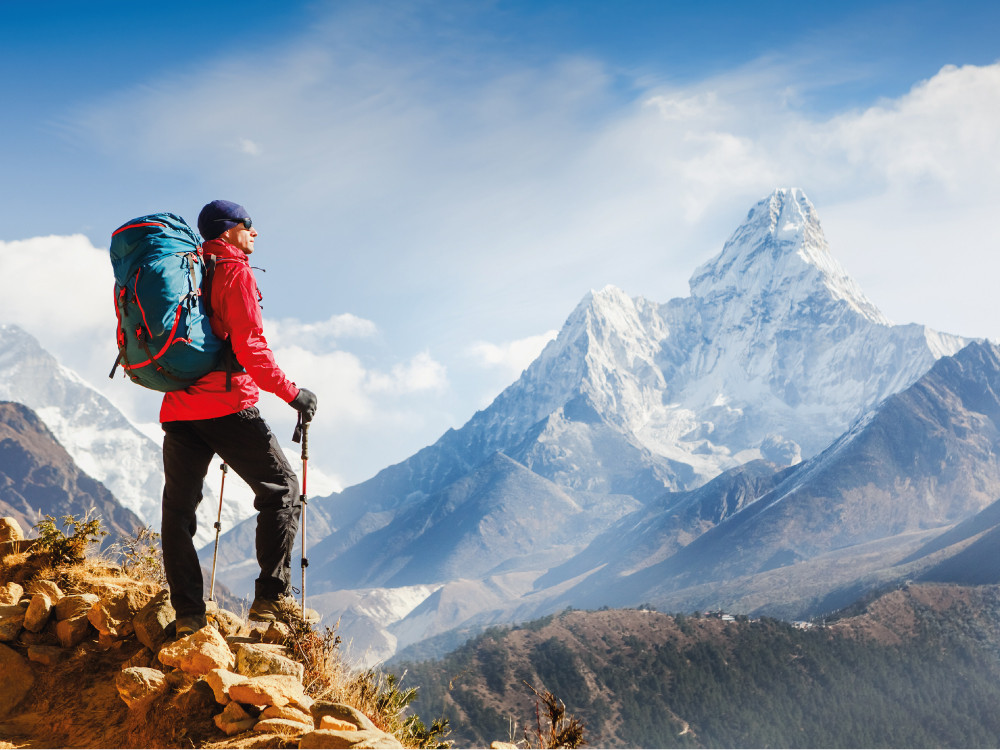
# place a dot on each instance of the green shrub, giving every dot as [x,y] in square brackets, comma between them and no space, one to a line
[68,548]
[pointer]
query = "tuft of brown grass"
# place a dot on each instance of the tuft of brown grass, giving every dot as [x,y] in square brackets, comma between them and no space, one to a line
[556,728]
[377,694]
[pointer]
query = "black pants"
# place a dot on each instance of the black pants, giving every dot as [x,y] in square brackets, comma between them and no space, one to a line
[245,442]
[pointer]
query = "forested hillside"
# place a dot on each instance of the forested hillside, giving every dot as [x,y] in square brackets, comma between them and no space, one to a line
[916,667]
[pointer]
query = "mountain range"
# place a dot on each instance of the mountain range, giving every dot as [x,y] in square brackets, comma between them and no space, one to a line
[641,435]
[770,443]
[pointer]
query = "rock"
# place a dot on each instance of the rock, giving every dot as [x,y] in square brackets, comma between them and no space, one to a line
[292,713]
[10,593]
[17,679]
[220,680]
[341,711]
[72,631]
[112,615]
[198,653]
[322,738]
[11,621]
[10,530]
[498,745]
[73,606]
[277,632]
[45,587]
[151,623]
[234,719]
[47,655]
[337,725]
[254,660]
[284,727]
[39,610]
[304,703]
[267,690]
[178,680]
[227,623]
[141,658]
[137,685]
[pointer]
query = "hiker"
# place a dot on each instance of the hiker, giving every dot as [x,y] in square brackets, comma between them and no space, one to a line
[217,415]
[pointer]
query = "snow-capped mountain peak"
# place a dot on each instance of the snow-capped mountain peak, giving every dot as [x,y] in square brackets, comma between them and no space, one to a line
[781,253]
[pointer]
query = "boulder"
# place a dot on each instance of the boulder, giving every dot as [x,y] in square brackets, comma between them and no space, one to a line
[10,593]
[11,621]
[73,606]
[322,738]
[198,653]
[112,615]
[138,685]
[228,624]
[267,690]
[254,660]
[220,680]
[234,719]
[341,711]
[45,587]
[277,632]
[72,631]
[39,610]
[151,623]
[10,530]
[304,703]
[141,658]
[17,679]
[290,712]
[337,725]
[284,727]
[47,655]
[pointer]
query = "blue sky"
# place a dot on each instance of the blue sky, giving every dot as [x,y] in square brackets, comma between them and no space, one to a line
[438,184]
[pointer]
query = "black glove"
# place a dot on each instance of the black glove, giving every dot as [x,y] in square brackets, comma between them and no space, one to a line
[305,404]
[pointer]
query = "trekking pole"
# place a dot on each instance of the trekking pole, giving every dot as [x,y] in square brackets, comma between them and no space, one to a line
[302,431]
[218,529]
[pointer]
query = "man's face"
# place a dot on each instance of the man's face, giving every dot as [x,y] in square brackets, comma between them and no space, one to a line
[241,237]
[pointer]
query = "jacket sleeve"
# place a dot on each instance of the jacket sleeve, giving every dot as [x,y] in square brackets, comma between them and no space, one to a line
[237,304]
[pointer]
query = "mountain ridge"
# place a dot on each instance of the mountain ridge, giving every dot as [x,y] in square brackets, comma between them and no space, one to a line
[773,356]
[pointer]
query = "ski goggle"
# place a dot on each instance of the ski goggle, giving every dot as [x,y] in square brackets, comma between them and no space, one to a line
[245,222]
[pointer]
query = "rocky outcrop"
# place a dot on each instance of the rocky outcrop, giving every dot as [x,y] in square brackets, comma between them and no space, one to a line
[239,678]
[256,686]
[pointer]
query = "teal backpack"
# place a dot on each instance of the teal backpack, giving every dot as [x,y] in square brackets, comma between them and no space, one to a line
[165,341]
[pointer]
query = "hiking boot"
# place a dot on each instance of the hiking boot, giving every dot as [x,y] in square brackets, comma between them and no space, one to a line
[283,608]
[191,624]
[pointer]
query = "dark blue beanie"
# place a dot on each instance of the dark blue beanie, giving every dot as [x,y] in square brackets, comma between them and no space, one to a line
[218,216]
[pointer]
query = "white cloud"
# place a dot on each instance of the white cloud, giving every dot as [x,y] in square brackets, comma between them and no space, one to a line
[322,335]
[420,373]
[249,147]
[60,289]
[512,356]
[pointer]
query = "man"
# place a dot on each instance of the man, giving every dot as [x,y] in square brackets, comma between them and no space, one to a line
[217,415]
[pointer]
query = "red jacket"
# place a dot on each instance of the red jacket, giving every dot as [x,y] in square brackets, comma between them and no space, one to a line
[235,316]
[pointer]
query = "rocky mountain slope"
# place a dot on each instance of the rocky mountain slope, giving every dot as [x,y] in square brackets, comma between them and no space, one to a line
[38,478]
[878,504]
[96,434]
[772,357]
[914,667]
